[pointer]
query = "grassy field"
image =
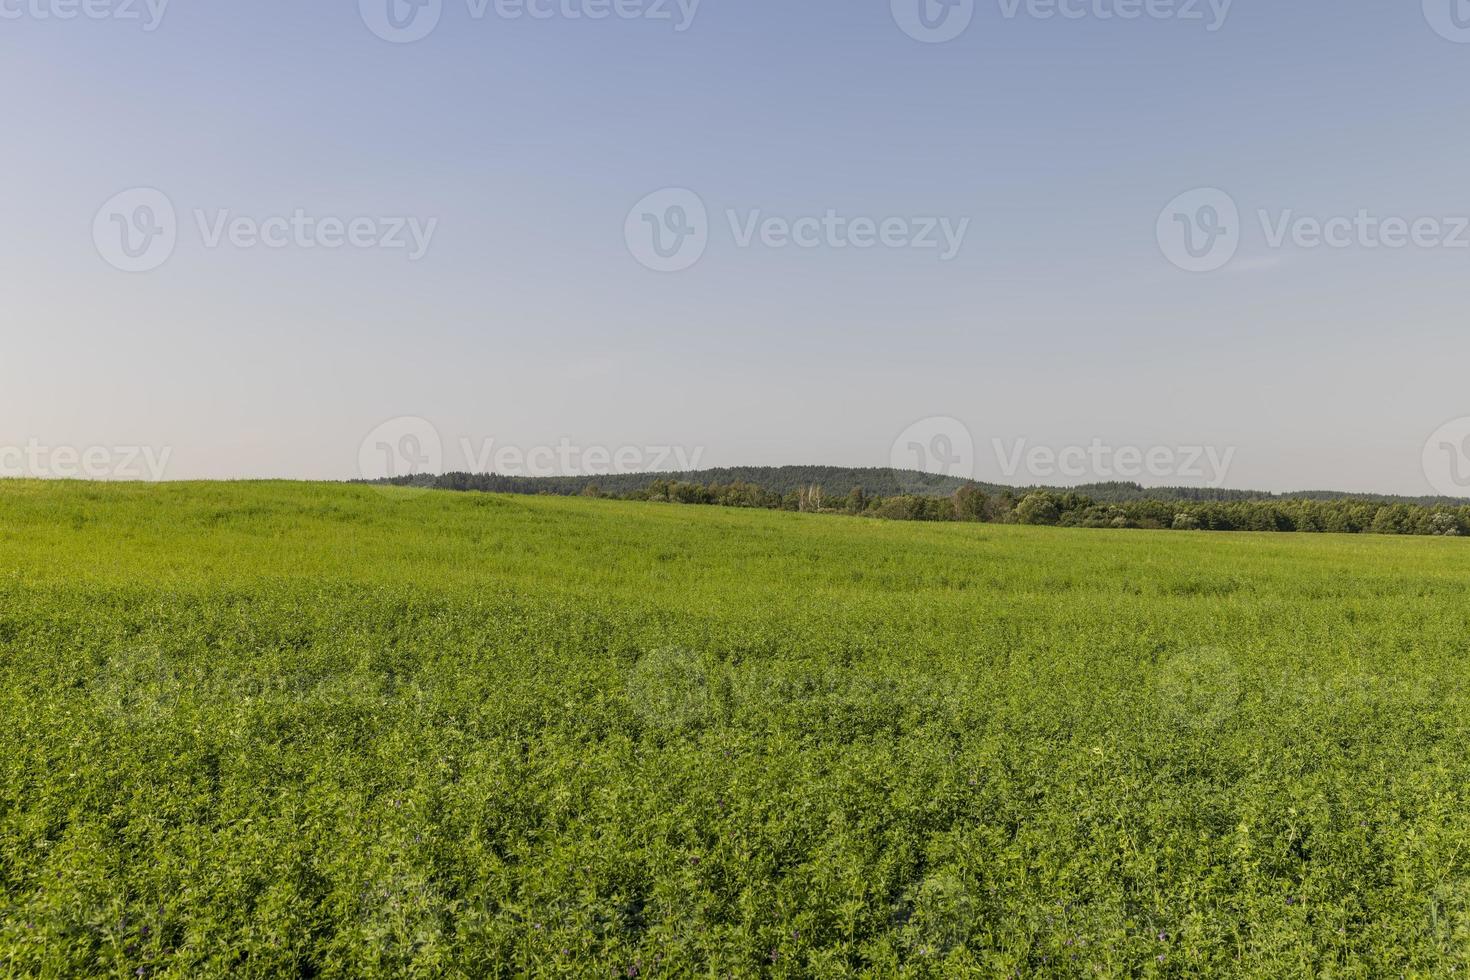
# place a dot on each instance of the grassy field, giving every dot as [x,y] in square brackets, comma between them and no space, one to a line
[276,729]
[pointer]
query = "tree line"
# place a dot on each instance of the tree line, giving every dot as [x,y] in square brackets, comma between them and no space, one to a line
[972,503]
[912,496]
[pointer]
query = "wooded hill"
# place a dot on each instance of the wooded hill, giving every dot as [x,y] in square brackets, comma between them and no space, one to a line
[840,481]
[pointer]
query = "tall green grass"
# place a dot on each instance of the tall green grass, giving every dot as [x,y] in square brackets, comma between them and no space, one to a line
[273,730]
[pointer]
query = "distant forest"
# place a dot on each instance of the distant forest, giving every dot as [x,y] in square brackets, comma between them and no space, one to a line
[912,496]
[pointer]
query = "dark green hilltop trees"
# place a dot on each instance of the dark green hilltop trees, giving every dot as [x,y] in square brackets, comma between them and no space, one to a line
[911,496]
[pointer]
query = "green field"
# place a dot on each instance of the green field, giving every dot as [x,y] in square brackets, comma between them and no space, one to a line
[307,730]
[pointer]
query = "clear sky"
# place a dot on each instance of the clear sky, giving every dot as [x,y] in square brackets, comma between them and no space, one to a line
[520,149]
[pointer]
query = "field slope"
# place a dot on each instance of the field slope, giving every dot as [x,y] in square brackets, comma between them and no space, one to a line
[287,729]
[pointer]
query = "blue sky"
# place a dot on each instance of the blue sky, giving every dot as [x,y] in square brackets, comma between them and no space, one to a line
[530,321]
